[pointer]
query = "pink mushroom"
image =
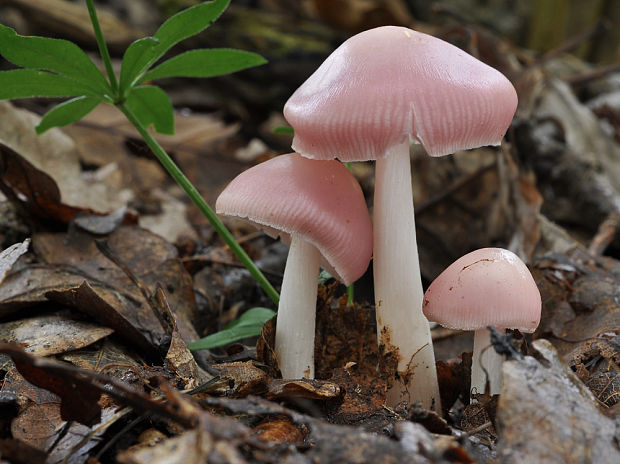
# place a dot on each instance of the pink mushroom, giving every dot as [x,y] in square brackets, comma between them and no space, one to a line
[376,92]
[487,287]
[319,208]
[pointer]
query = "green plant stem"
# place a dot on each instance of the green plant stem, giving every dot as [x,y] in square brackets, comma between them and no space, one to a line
[103,48]
[202,205]
[350,294]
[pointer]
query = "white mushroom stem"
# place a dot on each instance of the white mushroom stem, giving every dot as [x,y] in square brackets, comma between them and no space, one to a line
[297,311]
[401,324]
[485,364]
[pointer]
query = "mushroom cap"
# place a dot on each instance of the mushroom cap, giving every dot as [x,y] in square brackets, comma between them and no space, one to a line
[489,286]
[389,84]
[320,201]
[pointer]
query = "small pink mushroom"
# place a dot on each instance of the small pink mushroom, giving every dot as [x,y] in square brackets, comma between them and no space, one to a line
[376,92]
[487,287]
[319,208]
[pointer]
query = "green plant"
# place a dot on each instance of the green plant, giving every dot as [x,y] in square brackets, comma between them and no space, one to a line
[59,68]
[249,324]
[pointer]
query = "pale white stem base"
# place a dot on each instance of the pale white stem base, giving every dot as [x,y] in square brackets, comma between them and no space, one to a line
[484,358]
[401,325]
[297,311]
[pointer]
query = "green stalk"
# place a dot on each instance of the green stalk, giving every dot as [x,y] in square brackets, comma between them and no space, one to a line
[202,205]
[174,170]
[350,294]
[103,48]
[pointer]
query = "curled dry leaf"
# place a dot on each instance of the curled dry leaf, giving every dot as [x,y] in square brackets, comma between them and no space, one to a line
[52,333]
[10,256]
[304,388]
[39,423]
[191,447]
[32,190]
[79,401]
[54,154]
[244,378]
[279,430]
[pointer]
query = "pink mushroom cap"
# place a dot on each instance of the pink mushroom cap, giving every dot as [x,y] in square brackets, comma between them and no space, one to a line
[389,84]
[320,201]
[489,286]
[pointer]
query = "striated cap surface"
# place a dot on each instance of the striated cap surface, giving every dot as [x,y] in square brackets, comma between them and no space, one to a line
[319,201]
[389,84]
[490,286]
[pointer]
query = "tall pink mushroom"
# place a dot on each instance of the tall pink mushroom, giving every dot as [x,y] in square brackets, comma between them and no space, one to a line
[487,287]
[376,92]
[319,208]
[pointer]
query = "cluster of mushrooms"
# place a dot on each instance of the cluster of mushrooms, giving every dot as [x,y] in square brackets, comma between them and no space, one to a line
[379,91]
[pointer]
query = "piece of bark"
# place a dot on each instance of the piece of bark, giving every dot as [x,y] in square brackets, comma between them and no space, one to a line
[547,415]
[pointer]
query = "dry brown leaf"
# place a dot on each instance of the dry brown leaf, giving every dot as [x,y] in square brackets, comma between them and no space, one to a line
[73,20]
[10,256]
[51,334]
[54,154]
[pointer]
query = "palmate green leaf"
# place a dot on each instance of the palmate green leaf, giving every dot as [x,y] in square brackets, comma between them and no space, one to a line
[179,27]
[24,83]
[67,113]
[151,105]
[249,324]
[205,63]
[56,55]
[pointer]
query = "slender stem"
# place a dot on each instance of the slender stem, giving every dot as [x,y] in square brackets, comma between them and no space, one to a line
[202,205]
[297,311]
[401,325]
[350,289]
[485,364]
[103,48]
[350,294]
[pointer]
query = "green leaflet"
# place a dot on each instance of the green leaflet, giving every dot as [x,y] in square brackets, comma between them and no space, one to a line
[136,59]
[56,55]
[205,63]
[67,113]
[250,324]
[151,105]
[24,83]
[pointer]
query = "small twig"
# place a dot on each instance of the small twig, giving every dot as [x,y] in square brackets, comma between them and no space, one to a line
[480,428]
[394,413]
[611,380]
[423,207]
[592,75]
[121,433]
[62,434]
[123,412]
[227,262]
[572,43]
[605,234]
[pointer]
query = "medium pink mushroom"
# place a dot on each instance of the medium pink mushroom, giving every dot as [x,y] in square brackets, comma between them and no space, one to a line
[376,92]
[487,287]
[319,208]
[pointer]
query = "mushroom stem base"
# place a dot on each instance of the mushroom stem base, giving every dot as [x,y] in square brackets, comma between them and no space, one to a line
[485,364]
[297,311]
[401,325]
